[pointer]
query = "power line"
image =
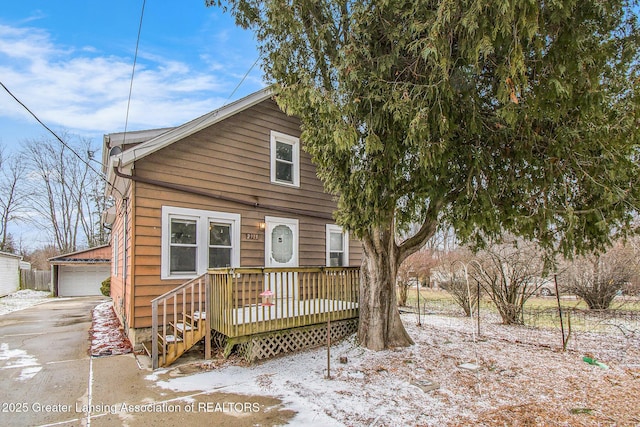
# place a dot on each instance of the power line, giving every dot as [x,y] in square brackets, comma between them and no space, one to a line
[133,71]
[51,131]
[55,135]
[135,59]
[203,117]
[241,81]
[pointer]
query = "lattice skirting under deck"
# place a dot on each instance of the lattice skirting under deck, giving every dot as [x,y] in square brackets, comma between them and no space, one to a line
[264,346]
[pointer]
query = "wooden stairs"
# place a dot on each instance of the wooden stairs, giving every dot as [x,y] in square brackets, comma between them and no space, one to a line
[179,322]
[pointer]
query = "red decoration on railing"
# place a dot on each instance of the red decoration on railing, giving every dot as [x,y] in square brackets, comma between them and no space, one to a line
[266,298]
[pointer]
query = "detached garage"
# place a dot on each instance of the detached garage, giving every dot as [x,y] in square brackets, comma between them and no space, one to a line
[81,273]
[9,273]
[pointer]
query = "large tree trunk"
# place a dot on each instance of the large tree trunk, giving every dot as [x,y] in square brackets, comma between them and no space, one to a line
[380,325]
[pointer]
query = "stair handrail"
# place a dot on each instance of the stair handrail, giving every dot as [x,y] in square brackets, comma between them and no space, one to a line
[164,297]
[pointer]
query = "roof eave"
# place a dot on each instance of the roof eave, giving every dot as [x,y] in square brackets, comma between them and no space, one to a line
[62,256]
[129,156]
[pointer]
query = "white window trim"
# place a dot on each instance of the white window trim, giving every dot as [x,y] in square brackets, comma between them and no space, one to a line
[295,143]
[333,228]
[202,218]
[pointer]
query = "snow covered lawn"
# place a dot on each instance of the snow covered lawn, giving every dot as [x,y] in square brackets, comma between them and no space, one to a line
[523,379]
[22,299]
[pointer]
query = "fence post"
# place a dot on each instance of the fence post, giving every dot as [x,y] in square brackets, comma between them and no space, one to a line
[564,343]
[329,347]
[478,305]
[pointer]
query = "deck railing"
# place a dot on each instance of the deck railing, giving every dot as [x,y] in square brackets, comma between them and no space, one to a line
[300,297]
[179,321]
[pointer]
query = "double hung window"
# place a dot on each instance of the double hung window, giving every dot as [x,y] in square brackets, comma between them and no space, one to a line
[194,240]
[337,246]
[285,159]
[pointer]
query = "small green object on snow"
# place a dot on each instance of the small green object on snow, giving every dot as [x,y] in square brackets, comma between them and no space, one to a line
[592,361]
[577,411]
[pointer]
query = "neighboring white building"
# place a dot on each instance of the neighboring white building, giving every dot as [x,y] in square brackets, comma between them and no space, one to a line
[9,273]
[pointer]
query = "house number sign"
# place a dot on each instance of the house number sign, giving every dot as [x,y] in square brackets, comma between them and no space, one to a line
[252,236]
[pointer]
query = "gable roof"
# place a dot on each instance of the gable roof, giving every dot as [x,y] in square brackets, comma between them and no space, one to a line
[118,139]
[167,138]
[96,255]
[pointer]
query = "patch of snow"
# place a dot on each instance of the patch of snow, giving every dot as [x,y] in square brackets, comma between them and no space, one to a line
[523,375]
[107,337]
[28,373]
[18,358]
[22,299]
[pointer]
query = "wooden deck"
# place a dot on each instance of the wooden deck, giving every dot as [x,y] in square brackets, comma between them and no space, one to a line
[301,297]
[232,304]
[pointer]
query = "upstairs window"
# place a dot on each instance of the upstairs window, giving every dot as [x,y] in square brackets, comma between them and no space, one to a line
[285,159]
[337,246]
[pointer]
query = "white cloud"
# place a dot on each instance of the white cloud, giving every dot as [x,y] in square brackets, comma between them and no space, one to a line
[83,91]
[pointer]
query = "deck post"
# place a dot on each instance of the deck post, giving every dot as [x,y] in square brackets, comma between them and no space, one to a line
[209,315]
[154,334]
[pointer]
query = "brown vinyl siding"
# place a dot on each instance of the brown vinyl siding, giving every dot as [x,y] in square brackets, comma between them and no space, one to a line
[121,291]
[231,158]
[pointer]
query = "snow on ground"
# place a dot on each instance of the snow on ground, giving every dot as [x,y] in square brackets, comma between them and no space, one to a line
[17,358]
[22,299]
[524,379]
[107,337]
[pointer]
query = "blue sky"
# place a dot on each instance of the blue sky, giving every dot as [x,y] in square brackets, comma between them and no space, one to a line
[70,62]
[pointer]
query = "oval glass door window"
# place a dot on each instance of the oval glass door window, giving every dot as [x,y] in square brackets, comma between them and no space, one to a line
[282,244]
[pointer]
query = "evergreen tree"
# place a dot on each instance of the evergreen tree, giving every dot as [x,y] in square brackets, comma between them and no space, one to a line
[492,116]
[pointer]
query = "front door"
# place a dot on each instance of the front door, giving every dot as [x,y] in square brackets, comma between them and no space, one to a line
[281,251]
[281,242]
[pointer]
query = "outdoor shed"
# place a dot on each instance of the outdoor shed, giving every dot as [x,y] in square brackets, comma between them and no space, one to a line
[9,273]
[81,273]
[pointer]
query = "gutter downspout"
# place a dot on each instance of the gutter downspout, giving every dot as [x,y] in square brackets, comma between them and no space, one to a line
[205,193]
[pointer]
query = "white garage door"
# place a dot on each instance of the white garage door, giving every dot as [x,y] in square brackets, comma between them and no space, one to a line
[81,280]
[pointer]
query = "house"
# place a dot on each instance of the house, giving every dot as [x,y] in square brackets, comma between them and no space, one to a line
[231,189]
[80,273]
[9,273]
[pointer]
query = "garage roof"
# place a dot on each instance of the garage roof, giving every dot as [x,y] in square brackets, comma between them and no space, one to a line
[96,255]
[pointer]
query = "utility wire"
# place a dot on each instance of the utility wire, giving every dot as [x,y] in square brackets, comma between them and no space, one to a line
[204,117]
[133,72]
[55,135]
[241,81]
[135,60]
[100,174]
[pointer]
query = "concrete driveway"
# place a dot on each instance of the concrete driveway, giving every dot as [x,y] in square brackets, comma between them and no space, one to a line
[48,378]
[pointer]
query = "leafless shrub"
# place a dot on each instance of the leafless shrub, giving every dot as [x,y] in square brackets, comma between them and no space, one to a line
[457,282]
[598,278]
[415,270]
[509,273]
